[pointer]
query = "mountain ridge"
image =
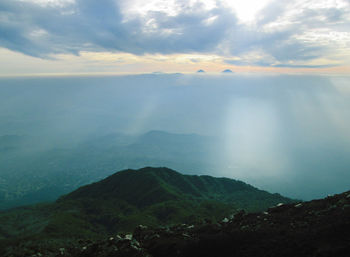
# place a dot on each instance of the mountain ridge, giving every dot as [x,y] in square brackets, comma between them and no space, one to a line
[130,184]
[126,199]
[319,227]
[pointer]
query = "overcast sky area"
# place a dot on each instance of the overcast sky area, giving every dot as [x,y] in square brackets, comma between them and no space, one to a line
[136,36]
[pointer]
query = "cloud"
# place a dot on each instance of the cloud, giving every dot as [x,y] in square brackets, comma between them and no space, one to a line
[40,30]
[294,32]
[289,33]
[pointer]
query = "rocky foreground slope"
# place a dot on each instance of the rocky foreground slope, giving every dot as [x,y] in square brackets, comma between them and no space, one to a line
[117,204]
[315,228]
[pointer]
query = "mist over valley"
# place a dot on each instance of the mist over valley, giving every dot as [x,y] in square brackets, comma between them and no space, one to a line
[282,133]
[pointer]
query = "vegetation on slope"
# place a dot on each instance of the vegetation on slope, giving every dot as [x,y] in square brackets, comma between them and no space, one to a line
[149,196]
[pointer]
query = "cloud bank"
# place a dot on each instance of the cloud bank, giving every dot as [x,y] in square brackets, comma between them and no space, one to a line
[294,33]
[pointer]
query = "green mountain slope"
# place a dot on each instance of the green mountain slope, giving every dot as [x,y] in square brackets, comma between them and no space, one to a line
[148,196]
[148,186]
[316,228]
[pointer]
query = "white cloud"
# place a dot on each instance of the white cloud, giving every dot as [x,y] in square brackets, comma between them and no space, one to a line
[263,33]
[247,10]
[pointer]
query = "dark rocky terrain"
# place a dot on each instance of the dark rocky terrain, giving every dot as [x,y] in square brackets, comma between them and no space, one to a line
[150,196]
[316,228]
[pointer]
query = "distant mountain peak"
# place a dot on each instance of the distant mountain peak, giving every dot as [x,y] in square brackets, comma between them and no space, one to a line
[200,71]
[227,71]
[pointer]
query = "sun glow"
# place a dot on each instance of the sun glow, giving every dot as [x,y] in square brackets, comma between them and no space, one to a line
[246,10]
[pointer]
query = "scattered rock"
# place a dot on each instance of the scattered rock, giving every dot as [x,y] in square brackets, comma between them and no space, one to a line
[346,206]
[320,228]
[298,205]
[239,215]
[225,220]
[62,250]
[128,237]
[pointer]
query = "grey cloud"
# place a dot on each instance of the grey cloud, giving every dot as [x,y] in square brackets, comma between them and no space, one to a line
[282,43]
[245,63]
[305,66]
[281,46]
[268,64]
[285,50]
[100,26]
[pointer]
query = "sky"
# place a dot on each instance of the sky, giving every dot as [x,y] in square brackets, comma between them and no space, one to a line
[136,36]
